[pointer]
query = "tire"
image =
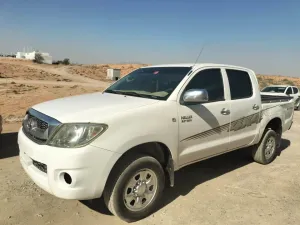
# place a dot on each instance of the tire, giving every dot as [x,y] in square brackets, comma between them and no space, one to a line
[297,106]
[131,170]
[261,153]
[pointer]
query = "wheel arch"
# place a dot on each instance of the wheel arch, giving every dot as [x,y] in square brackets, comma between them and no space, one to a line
[276,125]
[157,150]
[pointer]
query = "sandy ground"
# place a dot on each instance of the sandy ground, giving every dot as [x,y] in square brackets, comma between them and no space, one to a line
[229,189]
[98,71]
[16,98]
[27,70]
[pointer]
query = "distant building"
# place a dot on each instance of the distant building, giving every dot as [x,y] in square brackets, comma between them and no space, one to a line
[31,56]
[113,74]
[20,55]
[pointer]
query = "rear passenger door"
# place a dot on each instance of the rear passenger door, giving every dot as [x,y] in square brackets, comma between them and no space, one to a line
[296,91]
[291,93]
[245,103]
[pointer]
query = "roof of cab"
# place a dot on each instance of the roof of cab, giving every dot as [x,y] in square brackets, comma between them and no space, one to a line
[198,65]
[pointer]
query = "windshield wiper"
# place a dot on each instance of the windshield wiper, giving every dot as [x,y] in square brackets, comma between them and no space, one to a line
[129,93]
[132,93]
[113,92]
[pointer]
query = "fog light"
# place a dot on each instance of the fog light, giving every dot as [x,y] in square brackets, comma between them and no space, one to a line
[67,178]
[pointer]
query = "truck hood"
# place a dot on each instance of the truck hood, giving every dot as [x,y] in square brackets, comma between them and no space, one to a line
[90,107]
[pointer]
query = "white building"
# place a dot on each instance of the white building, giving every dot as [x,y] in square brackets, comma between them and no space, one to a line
[31,56]
[20,55]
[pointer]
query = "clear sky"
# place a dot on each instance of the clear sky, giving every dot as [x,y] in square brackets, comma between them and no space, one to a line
[261,34]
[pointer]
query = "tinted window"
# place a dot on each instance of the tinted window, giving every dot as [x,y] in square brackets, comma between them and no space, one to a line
[151,82]
[211,80]
[295,90]
[240,84]
[289,91]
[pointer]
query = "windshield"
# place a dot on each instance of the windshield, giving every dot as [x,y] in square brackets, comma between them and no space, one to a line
[274,89]
[151,82]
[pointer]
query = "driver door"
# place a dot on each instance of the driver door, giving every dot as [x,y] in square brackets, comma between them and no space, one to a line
[203,128]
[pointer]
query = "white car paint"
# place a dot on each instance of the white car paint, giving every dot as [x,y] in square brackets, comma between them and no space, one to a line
[92,105]
[191,133]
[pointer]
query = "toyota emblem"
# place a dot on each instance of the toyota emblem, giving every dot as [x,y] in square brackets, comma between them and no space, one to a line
[31,124]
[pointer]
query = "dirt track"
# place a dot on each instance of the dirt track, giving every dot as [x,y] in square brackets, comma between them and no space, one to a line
[62,71]
[229,189]
[62,83]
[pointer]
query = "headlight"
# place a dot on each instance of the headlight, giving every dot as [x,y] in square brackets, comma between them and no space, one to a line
[76,135]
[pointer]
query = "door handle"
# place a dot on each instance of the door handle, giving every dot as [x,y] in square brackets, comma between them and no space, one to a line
[225,111]
[255,107]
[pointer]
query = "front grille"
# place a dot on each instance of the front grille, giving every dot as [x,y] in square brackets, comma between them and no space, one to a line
[41,166]
[35,129]
[38,126]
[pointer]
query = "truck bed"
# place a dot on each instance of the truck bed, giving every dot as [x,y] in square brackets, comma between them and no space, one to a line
[274,98]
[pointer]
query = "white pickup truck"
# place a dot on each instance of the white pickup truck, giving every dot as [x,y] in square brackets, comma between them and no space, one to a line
[286,90]
[126,142]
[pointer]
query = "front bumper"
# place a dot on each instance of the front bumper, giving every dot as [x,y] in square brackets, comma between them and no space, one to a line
[47,166]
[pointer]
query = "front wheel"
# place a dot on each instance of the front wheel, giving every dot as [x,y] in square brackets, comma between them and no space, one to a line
[134,188]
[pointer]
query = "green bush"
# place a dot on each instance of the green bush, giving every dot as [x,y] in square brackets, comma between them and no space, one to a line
[66,61]
[38,58]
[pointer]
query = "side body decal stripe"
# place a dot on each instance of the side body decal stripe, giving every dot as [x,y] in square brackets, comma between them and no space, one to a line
[235,125]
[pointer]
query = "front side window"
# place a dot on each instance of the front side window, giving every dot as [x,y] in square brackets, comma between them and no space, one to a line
[211,80]
[240,84]
[152,82]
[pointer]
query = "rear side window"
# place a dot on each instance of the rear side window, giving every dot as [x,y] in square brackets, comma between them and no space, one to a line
[289,91]
[295,90]
[240,84]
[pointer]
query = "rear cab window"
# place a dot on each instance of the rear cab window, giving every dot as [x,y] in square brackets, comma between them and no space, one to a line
[240,84]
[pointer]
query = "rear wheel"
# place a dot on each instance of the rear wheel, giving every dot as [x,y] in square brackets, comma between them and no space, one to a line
[134,188]
[266,151]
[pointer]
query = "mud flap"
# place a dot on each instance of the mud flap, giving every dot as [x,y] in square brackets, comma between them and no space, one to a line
[291,125]
[170,170]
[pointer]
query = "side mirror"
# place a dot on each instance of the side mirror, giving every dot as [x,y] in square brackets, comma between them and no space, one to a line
[195,96]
